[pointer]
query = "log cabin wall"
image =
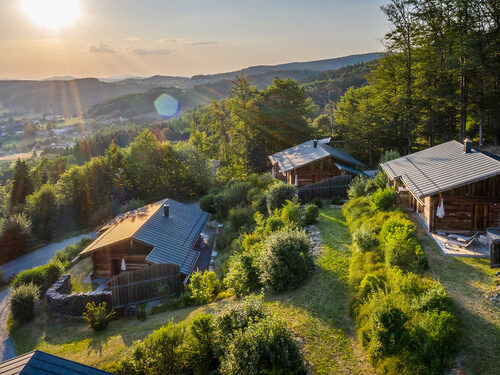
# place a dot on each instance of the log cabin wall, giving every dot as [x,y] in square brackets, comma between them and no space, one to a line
[314,172]
[475,206]
[107,261]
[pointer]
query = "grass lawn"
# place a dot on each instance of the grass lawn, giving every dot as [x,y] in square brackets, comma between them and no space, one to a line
[78,273]
[317,313]
[467,281]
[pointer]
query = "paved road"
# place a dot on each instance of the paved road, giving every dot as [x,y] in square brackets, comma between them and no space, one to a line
[36,258]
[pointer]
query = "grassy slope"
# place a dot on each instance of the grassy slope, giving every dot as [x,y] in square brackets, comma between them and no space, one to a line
[317,312]
[468,280]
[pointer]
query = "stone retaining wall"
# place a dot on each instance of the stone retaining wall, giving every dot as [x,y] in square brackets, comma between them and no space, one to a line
[73,304]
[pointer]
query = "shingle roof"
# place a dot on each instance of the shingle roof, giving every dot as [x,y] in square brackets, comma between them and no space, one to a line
[441,168]
[305,153]
[172,237]
[41,363]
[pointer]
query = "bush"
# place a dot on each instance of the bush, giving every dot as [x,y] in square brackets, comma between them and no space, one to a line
[274,224]
[435,298]
[237,316]
[265,347]
[15,236]
[140,312]
[22,302]
[242,276]
[53,272]
[291,214]
[369,285]
[98,316]
[311,214]
[402,250]
[235,193]
[70,252]
[159,353]
[286,260]
[34,275]
[207,203]
[371,187]
[204,287]
[240,217]
[396,223]
[317,201]
[357,187]
[383,199]
[131,204]
[278,194]
[388,156]
[201,346]
[365,240]
[357,210]
[381,179]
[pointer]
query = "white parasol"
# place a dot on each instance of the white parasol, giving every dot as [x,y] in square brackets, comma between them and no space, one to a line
[124,267]
[440,210]
[296,180]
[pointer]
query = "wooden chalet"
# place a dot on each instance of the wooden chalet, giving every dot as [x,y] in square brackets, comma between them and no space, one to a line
[460,178]
[163,232]
[312,162]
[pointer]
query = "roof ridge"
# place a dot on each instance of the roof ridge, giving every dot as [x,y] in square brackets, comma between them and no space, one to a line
[421,171]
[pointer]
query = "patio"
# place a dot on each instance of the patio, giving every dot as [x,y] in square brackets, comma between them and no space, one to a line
[478,249]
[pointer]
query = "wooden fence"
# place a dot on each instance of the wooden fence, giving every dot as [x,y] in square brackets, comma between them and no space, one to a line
[326,189]
[150,283]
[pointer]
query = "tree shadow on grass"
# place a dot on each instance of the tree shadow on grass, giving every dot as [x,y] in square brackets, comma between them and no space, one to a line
[96,344]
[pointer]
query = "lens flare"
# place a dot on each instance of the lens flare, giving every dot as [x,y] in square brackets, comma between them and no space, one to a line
[167,106]
[52,13]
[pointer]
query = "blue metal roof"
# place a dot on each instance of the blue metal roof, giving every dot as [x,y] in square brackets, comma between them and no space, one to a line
[41,363]
[343,167]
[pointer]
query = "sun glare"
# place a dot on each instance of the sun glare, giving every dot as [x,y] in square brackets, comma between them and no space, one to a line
[51,13]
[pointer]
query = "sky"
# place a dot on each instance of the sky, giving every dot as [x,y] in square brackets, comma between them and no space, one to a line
[111,38]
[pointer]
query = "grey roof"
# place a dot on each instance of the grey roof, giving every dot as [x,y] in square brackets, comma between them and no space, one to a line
[172,238]
[305,153]
[41,363]
[178,235]
[441,168]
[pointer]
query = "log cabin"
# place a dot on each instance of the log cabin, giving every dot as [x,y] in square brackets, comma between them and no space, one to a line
[313,161]
[163,232]
[460,178]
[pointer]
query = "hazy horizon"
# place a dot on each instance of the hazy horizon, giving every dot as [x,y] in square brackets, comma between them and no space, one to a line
[124,38]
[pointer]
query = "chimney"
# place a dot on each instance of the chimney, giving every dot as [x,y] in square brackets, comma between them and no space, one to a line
[166,210]
[467,145]
[315,143]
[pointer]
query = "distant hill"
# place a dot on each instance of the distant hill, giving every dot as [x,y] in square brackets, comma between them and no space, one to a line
[61,96]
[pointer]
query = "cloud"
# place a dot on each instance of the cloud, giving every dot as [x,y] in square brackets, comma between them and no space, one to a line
[152,51]
[101,48]
[133,39]
[207,43]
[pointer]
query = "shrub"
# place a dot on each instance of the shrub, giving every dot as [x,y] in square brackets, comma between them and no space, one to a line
[34,275]
[22,302]
[207,203]
[274,224]
[291,214]
[140,312]
[70,252]
[435,298]
[53,271]
[371,187]
[240,217]
[131,204]
[387,333]
[365,240]
[388,156]
[220,206]
[15,236]
[396,223]
[357,187]
[242,276]
[317,201]
[357,210]
[383,199]
[311,214]
[98,316]
[201,346]
[159,353]
[235,193]
[237,316]
[369,285]
[286,260]
[278,194]
[402,250]
[204,286]
[381,179]
[265,347]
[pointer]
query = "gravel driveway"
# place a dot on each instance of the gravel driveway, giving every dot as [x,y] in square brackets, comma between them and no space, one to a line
[33,259]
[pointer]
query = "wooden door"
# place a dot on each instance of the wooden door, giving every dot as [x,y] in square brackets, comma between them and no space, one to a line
[115,266]
[480,216]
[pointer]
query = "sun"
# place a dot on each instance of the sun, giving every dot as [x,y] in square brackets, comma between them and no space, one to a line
[52,14]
